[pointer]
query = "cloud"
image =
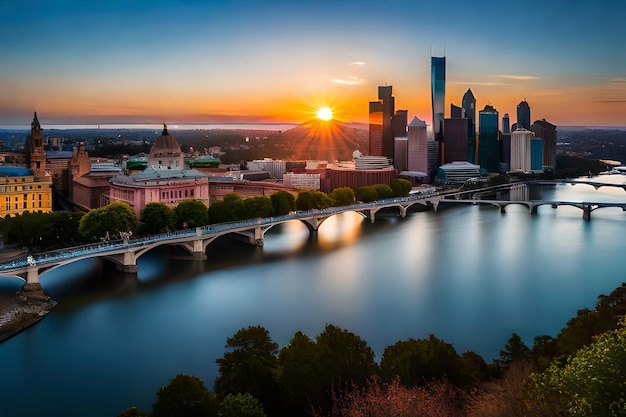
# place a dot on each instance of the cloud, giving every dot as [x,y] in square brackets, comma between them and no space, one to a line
[477,83]
[357,64]
[618,80]
[349,80]
[517,77]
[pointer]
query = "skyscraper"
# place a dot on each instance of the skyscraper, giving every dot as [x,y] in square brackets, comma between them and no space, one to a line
[438,93]
[376,128]
[399,122]
[488,133]
[523,115]
[506,124]
[417,146]
[386,98]
[547,131]
[520,150]
[469,105]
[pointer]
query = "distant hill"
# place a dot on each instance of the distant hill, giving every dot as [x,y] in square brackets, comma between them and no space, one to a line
[328,141]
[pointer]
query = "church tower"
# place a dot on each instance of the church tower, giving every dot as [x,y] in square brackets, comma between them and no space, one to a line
[36,154]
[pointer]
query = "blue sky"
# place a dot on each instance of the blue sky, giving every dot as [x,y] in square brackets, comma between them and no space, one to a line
[208,61]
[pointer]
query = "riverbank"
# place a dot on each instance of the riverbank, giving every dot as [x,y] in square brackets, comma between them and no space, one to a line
[29,306]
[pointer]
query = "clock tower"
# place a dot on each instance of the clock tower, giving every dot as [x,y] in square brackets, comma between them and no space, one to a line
[36,154]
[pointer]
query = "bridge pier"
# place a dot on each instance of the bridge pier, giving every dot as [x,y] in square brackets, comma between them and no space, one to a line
[586,212]
[533,209]
[502,209]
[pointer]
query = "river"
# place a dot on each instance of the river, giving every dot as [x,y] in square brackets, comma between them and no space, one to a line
[470,275]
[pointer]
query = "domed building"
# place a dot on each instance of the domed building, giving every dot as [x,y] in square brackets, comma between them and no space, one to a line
[166,180]
[166,152]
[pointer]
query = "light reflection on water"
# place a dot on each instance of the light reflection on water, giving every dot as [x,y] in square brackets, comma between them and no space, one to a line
[469,275]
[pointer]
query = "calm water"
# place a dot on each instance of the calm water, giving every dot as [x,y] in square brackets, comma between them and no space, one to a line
[469,275]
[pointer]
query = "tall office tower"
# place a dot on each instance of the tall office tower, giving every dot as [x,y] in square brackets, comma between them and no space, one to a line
[455,139]
[506,124]
[523,115]
[536,154]
[547,132]
[488,134]
[401,153]
[417,153]
[376,128]
[399,122]
[520,150]
[438,94]
[469,105]
[456,112]
[36,152]
[386,98]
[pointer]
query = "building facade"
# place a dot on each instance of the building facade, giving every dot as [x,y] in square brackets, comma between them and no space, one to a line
[376,128]
[455,140]
[488,135]
[417,152]
[438,94]
[523,115]
[21,192]
[469,107]
[520,150]
[547,131]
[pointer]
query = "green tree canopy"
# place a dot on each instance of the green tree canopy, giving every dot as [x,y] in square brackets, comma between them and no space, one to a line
[250,365]
[240,405]
[299,375]
[383,191]
[514,350]
[283,202]
[401,187]
[185,396]
[417,361]
[592,382]
[366,194]
[342,196]
[344,358]
[259,206]
[108,221]
[157,218]
[132,412]
[192,213]
[313,199]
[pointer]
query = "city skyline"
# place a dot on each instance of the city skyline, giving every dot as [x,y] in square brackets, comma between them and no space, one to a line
[199,62]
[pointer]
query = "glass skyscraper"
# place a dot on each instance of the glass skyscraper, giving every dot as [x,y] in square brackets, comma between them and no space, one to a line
[438,93]
[523,115]
[469,105]
[488,133]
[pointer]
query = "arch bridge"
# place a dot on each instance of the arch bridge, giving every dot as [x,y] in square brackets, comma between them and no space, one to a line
[125,252]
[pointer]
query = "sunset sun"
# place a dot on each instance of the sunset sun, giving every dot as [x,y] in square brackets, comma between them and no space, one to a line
[325,114]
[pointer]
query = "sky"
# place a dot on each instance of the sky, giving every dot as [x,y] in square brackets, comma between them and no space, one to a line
[209,61]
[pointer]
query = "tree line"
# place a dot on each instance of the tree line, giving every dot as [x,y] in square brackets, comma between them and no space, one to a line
[39,232]
[580,372]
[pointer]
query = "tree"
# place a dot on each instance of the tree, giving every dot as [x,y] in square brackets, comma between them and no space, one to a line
[342,196]
[249,365]
[283,202]
[132,412]
[312,199]
[259,206]
[474,367]
[421,360]
[344,358]
[514,350]
[192,213]
[299,376]
[157,218]
[380,399]
[366,194]
[401,187]
[108,221]
[592,381]
[240,405]
[383,191]
[185,396]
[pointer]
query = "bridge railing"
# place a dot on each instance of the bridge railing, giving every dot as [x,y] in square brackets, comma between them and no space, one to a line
[120,244]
